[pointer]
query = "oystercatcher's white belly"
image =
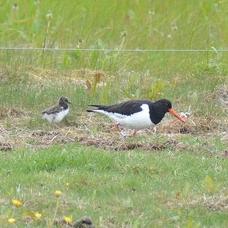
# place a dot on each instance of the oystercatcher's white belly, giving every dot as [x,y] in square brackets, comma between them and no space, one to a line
[55,117]
[139,120]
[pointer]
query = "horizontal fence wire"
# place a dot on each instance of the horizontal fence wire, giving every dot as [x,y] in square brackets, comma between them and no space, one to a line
[108,49]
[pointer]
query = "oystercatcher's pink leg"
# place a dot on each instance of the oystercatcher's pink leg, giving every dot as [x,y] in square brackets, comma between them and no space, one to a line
[134,133]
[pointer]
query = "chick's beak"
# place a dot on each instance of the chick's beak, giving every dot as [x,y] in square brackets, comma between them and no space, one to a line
[174,113]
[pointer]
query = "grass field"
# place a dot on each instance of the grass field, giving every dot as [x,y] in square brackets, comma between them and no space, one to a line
[176,177]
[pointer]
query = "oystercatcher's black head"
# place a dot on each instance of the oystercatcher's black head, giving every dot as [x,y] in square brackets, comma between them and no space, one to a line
[63,101]
[161,107]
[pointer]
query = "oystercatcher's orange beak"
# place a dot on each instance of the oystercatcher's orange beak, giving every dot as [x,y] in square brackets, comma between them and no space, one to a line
[174,113]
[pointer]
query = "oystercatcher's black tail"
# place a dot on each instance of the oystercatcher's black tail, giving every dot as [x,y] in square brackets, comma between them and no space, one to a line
[90,110]
[97,107]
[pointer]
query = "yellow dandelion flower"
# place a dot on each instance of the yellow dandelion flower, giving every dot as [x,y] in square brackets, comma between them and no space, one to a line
[67,184]
[58,193]
[11,220]
[68,219]
[17,203]
[37,215]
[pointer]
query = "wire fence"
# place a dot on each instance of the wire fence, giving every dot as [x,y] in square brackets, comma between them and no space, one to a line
[109,49]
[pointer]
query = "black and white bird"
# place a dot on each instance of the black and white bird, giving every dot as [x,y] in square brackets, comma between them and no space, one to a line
[57,113]
[137,114]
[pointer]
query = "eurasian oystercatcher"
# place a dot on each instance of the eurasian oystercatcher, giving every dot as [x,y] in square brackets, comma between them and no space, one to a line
[57,113]
[137,114]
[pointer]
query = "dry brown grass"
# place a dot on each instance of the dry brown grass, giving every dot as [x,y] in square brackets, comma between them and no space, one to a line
[216,202]
[83,77]
[221,94]
[11,113]
[88,132]
[194,125]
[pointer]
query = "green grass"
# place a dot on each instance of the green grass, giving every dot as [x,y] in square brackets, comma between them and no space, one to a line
[135,188]
[186,78]
[147,24]
[175,187]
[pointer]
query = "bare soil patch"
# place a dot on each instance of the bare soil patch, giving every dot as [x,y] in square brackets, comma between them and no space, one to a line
[122,145]
[5,146]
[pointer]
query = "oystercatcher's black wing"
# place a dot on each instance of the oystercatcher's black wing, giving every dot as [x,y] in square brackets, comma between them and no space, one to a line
[124,108]
[53,110]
